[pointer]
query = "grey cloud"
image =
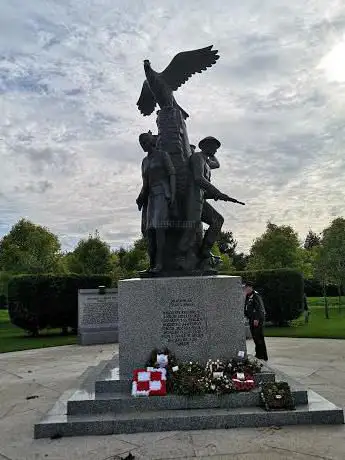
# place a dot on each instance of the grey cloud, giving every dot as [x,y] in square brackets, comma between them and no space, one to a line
[35,187]
[255,66]
[73,75]
[117,239]
[74,92]
[47,158]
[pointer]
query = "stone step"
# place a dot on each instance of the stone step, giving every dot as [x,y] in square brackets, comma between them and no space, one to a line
[83,403]
[317,412]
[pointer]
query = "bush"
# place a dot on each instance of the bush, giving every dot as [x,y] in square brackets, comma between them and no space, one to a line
[4,279]
[313,288]
[3,302]
[37,302]
[282,292]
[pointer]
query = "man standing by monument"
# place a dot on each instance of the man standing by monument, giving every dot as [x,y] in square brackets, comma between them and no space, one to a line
[254,310]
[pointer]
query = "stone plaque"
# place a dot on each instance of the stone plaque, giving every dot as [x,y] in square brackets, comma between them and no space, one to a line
[183,324]
[99,309]
[97,316]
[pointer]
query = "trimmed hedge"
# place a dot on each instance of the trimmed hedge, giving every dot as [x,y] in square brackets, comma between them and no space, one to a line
[313,288]
[37,302]
[282,292]
[3,302]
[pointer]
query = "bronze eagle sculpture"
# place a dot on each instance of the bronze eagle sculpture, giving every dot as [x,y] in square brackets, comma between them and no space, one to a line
[158,88]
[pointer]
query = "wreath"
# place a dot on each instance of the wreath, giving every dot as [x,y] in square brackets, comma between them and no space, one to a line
[277,396]
[164,358]
[217,377]
[246,366]
[189,380]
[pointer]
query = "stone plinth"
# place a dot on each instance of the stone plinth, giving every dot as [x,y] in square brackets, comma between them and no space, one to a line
[197,318]
[112,410]
[97,316]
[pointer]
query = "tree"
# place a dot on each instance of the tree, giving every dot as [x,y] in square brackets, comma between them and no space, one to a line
[227,243]
[307,261]
[227,246]
[240,261]
[276,248]
[333,253]
[29,248]
[92,256]
[134,259]
[312,240]
[141,244]
[225,260]
[321,273]
[227,263]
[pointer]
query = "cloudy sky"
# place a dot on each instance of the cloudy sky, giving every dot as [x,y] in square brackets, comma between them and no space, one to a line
[71,73]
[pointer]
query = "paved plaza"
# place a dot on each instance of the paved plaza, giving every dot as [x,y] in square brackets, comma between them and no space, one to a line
[31,382]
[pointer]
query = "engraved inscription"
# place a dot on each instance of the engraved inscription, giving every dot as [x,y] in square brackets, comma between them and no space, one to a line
[182,324]
[99,309]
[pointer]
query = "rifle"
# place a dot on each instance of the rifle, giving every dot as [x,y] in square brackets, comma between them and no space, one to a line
[225,197]
[233,200]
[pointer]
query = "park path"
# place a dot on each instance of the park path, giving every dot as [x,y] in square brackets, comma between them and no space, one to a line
[42,375]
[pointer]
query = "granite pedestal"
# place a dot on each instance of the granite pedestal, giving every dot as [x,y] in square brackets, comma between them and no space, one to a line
[97,316]
[197,318]
[103,405]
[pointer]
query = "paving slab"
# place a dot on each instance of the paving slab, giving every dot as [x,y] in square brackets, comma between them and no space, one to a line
[52,374]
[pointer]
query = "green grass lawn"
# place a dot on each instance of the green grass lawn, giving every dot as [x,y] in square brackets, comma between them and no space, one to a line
[318,326]
[318,302]
[14,339]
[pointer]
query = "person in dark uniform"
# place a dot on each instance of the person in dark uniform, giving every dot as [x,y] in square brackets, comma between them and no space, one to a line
[254,311]
[306,310]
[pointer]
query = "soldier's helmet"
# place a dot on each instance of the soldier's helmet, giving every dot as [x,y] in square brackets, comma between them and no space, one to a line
[209,140]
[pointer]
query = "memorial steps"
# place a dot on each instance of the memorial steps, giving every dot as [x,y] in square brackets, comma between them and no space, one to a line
[102,404]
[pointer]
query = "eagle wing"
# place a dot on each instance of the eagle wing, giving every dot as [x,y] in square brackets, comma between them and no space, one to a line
[146,102]
[187,63]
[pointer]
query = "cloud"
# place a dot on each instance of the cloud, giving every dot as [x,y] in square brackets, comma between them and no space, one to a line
[71,73]
[38,187]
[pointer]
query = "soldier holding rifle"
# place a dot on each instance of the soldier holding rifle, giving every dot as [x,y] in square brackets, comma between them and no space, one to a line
[199,208]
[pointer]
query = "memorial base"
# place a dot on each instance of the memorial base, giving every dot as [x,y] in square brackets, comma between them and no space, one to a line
[196,318]
[103,405]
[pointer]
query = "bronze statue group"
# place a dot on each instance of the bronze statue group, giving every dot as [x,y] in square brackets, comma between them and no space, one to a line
[176,189]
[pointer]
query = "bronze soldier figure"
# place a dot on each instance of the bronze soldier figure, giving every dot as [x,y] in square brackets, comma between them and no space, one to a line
[158,195]
[193,243]
[199,209]
[201,163]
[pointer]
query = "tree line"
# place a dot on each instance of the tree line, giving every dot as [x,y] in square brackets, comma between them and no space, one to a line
[29,248]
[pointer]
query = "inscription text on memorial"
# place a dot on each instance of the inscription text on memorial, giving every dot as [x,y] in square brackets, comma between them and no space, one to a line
[183,324]
[99,309]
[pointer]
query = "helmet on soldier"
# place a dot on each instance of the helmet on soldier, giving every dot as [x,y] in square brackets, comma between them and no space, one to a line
[210,144]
